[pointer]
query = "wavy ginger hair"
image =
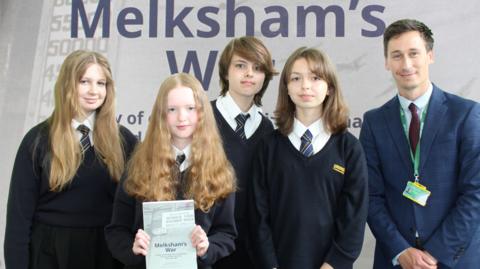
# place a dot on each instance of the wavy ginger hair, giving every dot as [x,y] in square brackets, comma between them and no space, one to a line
[151,172]
[66,152]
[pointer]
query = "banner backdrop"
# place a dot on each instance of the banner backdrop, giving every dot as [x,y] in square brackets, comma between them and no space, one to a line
[146,40]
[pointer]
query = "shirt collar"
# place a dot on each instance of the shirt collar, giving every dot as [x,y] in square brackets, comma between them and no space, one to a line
[315,128]
[89,122]
[232,109]
[421,102]
[185,151]
[186,163]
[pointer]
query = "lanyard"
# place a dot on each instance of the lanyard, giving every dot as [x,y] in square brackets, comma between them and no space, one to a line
[415,157]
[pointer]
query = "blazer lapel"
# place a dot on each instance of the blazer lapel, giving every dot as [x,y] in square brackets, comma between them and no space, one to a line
[392,119]
[433,120]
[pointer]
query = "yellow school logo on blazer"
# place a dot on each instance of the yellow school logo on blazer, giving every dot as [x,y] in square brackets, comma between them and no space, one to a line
[338,168]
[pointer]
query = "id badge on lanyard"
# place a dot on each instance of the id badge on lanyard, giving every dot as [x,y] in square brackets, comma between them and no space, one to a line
[415,191]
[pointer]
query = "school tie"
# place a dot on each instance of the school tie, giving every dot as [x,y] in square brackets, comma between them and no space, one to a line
[180,176]
[179,160]
[241,119]
[306,147]
[84,140]
[414,130]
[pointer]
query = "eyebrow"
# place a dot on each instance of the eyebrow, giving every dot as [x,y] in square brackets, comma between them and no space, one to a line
[176,105]
[240,60]
[89,78]
[399,51]
[300,73]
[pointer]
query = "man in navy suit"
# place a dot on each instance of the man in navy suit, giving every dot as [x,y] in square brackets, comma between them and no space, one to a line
[423,154]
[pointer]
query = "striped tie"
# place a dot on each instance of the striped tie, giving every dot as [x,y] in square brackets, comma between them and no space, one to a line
[241,119]
[84,140]
[306,147]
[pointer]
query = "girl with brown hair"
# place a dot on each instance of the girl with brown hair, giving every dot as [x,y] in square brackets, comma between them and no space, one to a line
[309,191]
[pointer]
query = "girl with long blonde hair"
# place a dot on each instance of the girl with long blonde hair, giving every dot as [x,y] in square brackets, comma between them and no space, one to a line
[181,124]
[66,172]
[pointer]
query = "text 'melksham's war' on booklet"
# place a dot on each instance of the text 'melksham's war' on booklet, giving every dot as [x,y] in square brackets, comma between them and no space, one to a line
[169,224]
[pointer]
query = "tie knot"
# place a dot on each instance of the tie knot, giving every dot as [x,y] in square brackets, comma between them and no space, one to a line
[307,136]
[83,129]
[242,118]
[413,108]
[180,158]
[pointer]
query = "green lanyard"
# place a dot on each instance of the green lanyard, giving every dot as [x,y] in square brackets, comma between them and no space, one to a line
[415,158]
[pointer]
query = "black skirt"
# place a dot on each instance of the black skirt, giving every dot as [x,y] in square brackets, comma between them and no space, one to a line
[70,248]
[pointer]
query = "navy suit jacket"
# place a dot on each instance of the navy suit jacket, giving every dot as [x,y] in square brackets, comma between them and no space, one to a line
[448,226]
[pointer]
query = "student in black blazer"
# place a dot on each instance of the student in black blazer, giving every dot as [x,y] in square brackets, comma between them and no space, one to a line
[182,123]
[66,173]
[309,186]
[245,70]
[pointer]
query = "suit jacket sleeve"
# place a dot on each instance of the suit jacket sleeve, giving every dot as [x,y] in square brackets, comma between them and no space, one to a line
[450,240]
[379,219]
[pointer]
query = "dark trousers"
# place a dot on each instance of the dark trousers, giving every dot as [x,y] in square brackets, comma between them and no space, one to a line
[70,248]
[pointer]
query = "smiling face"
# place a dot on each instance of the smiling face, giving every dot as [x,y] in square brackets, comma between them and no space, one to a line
[91,89]
[182,116]
[408,60]
[245,78]
[306,89]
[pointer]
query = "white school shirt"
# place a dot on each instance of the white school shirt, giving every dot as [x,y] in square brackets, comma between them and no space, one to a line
[319,135]
[229,110]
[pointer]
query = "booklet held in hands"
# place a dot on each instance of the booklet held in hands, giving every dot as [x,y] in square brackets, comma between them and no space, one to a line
[169,224]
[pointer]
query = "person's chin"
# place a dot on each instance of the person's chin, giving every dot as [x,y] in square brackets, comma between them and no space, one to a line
[90,108]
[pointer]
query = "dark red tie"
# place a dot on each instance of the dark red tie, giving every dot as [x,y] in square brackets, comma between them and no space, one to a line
[414,130]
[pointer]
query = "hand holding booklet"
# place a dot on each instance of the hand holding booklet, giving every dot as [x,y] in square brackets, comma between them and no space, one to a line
[169,224]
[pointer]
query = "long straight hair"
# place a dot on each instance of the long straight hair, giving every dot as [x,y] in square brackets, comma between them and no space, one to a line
[66,153]
[150,172]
